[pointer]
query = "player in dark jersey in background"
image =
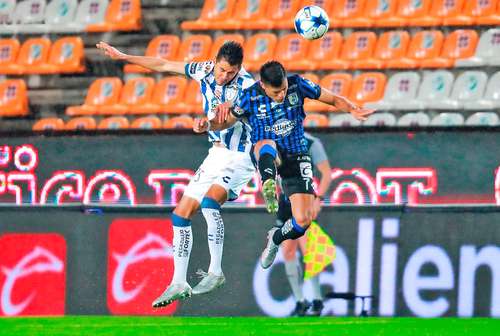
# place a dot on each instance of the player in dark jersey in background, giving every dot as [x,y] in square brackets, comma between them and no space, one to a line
[274,108]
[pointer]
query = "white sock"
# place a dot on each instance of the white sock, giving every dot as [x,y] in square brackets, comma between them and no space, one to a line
[316,288]
[215,233]
[294,275]
[182,244]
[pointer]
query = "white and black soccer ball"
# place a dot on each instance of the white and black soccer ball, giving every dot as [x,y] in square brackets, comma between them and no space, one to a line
[311,22]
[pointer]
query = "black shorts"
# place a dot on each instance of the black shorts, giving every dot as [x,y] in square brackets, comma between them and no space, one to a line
[296,174]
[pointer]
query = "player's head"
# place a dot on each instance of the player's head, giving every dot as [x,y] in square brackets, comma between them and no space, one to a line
[228,62]
[273,80]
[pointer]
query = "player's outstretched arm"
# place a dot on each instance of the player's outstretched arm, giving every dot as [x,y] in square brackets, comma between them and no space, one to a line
[344,105]
[153,63]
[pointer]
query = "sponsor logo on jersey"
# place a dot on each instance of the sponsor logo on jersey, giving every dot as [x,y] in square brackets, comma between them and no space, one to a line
[293,98]
[282,127]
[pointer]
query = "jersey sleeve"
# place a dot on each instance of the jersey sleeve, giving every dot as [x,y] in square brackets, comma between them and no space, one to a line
[308,88]
[198,70]
[317,151]
[241,106]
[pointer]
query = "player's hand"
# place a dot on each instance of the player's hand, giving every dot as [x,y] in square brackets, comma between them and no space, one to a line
[111,51]
[200,125]
[360,113]
[222,111]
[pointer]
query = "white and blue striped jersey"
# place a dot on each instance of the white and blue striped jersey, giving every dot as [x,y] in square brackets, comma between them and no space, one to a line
[236,138]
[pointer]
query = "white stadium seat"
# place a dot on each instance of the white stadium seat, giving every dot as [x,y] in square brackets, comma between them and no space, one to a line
[343,120]
[59,15]
[7,8]
[90,12]
[487,51]
[400,93]
[414,119]
[491,98]
[448,119]
[380,119]
[469,86]
[28,12]
[436,88]
[482,119]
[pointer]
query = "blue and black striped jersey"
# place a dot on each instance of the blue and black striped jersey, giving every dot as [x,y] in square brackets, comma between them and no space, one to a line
[281,122]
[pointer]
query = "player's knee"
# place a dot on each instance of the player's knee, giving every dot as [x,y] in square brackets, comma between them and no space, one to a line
[304,220]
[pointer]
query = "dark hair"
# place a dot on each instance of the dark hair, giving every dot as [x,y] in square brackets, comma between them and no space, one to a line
[232,52]
[273,73]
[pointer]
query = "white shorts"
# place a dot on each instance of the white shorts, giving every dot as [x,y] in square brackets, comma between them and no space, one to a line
[229,169]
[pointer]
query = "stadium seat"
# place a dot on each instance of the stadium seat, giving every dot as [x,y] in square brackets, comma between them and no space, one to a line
[164,46]
[102,92]
[80,123]
[380,119]
[9,49]
[195,48]
[343,120]
[468,87]
[213,12]
[440,12]
[458,45]
[26,13]
[248,14]
[282,13]
[219,41]
[6,15]
[379,11]
[66,56]
[121,15]
[313,77]
[258,49]
[167,97]
[315,120]
[390,45]
[324,53]
[135,93]
[193,99]
[59,15]
[89,12]
[150,122]
[483,119]
[337,83]
[368,87]
[179,122]
[491,98]
[414,119]
[487,51]
[478,12]
[48,124]
[435,89]
[291,51]
[33,55]
[407,13]
[13,98]
[113,123]
[448,119]
[400,93]
[349,13]
[358,47]
[424,45]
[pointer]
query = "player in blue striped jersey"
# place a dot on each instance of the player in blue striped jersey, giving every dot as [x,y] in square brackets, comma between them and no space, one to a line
[224,172]
[274,108]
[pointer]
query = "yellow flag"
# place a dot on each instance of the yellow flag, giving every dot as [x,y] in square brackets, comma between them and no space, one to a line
[320,251]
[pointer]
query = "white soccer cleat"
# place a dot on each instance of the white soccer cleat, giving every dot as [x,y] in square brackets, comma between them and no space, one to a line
[269,254]
[173,292]
[269,193]
[209,282]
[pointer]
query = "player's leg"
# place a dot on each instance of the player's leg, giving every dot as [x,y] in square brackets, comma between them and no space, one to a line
[266,154]
[317,299]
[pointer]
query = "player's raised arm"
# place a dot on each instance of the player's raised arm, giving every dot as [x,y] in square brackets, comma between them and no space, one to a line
[153,63]
[344,105]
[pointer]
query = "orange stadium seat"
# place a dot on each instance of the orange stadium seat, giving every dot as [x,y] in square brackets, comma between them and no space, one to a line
[259,48]
[379,11]
[9,48]
[168,96]
[311,76]
[102,92]
[33,55]
[213,12]
[66,56]
[179,122]
[193,99]
[195,48]
[479,12]
[248,14]
[164,46]
[81,123]
[368,87]
[315,120]
[337,83]
[48,124]
[13,98]
[282,13]
[135,93]
[424,45]
[390,45]
[113,123]
[325,4]
[219,41]
[460,44]
[121,15]
[324,53]
[440,12]
[291,51]
[407,12]
[358,47]
[150,122]
[349,13]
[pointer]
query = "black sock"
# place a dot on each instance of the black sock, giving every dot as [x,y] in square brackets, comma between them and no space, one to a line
[267,167]
[289,230]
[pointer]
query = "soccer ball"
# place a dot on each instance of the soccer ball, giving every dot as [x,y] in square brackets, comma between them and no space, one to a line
[311,22]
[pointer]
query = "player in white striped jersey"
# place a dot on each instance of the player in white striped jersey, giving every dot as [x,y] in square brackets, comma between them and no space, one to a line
[224,172]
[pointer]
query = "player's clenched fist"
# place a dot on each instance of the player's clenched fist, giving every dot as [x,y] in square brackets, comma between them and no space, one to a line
[200,125]
[222,111]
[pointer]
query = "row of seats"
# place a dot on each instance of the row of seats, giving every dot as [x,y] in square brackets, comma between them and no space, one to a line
[69,16]
[117,122]
[360,50]
[279,14]
[41,56]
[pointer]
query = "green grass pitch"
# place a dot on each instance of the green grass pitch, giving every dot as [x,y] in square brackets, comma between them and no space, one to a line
[222,326]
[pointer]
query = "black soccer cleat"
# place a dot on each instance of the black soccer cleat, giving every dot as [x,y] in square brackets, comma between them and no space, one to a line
[316,308]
